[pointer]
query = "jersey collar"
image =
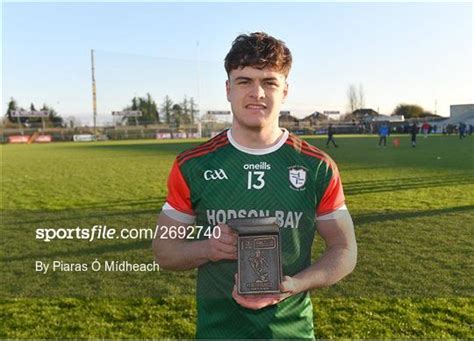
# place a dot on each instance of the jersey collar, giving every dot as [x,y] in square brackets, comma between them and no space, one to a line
[259,151]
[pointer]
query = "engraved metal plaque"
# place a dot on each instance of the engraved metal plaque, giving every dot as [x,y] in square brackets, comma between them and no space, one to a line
[259,264]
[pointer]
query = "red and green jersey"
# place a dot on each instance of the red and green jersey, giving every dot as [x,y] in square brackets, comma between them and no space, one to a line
[221,180]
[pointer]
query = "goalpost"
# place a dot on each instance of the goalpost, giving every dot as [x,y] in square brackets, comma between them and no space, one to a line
[119,78]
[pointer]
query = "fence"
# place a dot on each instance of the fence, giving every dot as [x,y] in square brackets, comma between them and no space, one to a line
[119,132]
[207,129]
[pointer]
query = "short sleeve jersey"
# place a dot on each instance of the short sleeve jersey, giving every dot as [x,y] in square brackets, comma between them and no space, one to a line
[221,180]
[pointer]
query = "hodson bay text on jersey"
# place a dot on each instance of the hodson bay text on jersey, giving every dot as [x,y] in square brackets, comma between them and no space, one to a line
[289,219]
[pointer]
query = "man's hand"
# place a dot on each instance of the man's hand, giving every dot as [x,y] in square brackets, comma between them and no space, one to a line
[181,254]
[225,247]
[259,301]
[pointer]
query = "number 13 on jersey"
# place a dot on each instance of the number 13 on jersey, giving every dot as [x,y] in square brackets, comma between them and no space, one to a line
[255,180]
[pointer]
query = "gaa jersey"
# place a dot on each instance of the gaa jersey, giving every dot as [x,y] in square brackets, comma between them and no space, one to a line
[221,180]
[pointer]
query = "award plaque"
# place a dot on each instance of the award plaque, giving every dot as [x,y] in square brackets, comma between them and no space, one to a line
[259,262]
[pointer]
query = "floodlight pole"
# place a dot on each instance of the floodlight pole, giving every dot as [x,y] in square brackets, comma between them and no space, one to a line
[94,99]
[198,90]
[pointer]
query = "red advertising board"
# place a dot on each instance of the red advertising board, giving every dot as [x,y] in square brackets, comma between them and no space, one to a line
[44,138]
[18,139]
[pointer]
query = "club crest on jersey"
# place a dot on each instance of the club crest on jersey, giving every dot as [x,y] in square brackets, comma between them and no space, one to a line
[297,177]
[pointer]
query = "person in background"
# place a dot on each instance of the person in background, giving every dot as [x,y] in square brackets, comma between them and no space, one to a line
[331,136]
[413,133]
[462,130]
[426,129]
[384,131]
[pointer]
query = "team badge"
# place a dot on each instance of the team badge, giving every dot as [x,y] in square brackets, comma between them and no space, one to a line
[297,176]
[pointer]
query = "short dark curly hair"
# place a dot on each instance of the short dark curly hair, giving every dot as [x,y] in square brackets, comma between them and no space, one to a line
[258,50]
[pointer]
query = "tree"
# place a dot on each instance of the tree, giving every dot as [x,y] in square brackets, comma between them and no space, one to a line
[53,117]
[152,108]
[148,108]
[176,110]
[408,110]
[134,103]
[429,114]
[33,120]
[192,109]
[72,122]
[352,97]
[356,98]
[177,113]
[12,106]
[361,102]
[185,115]
[166,108]
[185,107]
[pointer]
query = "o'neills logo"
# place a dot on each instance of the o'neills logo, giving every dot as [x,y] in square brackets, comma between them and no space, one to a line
[258,166]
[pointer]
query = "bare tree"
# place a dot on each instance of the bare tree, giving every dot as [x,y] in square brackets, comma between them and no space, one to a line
[166,108]
[72,122]
[352,97]
[192,109]
[185,106]
[361,96]
[356,97]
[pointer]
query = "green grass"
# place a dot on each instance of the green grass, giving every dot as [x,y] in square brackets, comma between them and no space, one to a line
[412,208]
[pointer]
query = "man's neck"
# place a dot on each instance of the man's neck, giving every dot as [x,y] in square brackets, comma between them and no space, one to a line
[258,138]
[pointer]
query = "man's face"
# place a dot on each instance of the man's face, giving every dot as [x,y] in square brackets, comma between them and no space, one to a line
[256,96]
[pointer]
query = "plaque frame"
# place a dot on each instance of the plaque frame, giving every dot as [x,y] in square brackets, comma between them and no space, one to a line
[257,238]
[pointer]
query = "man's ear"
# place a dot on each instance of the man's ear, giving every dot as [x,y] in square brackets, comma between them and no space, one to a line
[227,89]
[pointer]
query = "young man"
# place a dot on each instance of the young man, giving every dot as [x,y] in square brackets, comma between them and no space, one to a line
[256,169]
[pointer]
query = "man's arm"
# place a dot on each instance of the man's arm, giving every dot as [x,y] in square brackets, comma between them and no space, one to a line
[337,261]
[182,254]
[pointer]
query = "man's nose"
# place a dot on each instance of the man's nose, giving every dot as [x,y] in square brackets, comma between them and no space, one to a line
[257,91]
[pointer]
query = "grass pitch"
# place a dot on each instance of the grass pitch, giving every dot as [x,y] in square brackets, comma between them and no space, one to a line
[412,208]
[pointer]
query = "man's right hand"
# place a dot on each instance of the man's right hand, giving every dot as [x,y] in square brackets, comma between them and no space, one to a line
[224,247]
[180,254]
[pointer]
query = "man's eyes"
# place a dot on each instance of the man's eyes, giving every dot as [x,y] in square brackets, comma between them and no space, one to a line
[271,83]
[268,84]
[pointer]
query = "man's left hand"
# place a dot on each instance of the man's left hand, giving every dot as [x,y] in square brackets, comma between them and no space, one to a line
[259,301]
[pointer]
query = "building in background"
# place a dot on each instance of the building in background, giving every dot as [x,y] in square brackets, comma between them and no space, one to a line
[461,113]
[286,120]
